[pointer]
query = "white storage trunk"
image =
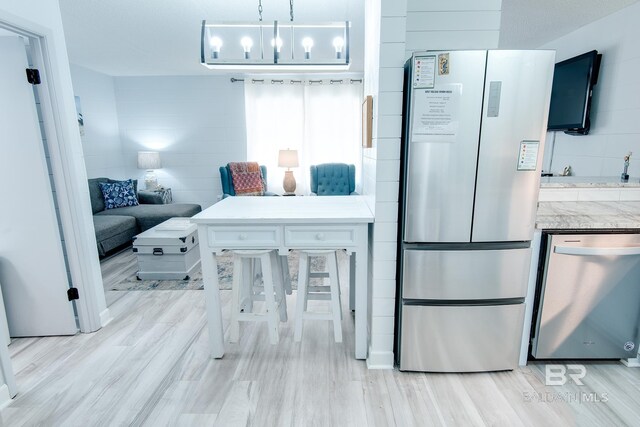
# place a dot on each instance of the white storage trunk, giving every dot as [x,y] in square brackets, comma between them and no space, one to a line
[168,251]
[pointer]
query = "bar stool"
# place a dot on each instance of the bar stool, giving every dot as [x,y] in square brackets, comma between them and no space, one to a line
[250,286]
[286,278]
[307,292]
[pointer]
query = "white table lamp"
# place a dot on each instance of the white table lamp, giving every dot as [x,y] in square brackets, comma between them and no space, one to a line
[288,159]
[149,160]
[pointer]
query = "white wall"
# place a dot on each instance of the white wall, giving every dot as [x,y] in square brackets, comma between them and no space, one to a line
[615,123]
[454,24]
[370,87]
[101,139]
[405,26]
[384,60]
[197,123]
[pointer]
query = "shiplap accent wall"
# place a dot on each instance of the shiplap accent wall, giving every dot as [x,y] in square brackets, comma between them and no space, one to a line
[196,122]
[615,128]
[405,26]
[454,24]
[101,140]
[372,15]
[370,87]
[383,77]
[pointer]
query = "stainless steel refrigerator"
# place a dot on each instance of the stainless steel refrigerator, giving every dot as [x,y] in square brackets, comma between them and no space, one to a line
[474,129]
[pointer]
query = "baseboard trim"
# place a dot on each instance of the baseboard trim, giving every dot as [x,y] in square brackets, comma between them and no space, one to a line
[5,397]
[380,359]
[105,317]
[631,363]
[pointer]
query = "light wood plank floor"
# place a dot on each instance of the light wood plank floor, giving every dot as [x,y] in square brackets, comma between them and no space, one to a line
[115,269]
[150,367]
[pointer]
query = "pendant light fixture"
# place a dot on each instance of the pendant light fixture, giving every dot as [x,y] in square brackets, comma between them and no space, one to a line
[274,46]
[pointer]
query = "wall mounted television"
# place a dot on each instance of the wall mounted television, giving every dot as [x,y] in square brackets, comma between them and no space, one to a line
[573,82]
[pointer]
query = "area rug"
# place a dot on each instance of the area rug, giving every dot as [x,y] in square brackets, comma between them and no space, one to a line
[225,276]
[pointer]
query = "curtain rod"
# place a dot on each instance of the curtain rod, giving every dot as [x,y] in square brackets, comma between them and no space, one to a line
[292,81]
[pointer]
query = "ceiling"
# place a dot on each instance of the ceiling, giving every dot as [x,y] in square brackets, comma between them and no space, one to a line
[151,37]
[532,23]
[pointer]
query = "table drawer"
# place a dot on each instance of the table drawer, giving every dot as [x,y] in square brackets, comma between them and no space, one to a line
[241,236]
[320,237]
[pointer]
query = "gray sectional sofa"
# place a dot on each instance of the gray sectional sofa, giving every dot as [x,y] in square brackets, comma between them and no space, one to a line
[116,227]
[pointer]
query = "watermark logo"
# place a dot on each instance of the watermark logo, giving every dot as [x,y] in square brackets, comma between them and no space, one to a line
[564,397]
[557,374]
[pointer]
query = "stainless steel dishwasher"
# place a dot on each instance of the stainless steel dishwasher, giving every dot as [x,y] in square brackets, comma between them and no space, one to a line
[590,298]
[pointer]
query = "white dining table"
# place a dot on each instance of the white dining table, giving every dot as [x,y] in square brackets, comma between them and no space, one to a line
[283,224]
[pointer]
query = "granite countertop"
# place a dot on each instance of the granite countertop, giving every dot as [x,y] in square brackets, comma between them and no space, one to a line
[587,182]
[588,215]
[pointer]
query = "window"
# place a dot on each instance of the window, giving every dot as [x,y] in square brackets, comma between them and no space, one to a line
[321,121]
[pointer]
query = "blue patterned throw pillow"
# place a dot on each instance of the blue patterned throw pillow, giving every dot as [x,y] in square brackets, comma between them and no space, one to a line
[118,194]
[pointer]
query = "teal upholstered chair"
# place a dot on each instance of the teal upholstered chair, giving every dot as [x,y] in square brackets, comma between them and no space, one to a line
[227,182]
[333,179]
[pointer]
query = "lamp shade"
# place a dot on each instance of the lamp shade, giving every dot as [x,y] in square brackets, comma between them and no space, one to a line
[149,160]
[288,159]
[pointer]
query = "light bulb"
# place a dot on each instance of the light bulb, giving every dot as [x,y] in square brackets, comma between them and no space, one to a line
[246,43]
[338,43]
[277,43]
[307,43]
[216,44]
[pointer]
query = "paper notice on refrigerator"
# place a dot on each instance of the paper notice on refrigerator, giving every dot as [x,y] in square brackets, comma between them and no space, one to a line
[424,72]
[436,114]
[528,155]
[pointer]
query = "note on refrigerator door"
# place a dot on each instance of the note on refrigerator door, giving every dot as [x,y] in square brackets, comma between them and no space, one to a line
[424,72]
[436,114]
[528,155]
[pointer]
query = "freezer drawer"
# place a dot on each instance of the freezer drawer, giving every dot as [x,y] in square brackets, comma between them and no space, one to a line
[590,302]
[451,338]
[465,274]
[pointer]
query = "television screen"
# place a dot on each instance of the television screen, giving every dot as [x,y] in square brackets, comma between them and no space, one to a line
[573,80]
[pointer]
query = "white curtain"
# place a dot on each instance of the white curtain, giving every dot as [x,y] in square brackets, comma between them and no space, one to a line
[321,121]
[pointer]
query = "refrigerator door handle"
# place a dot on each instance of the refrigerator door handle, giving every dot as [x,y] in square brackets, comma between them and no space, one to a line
[572,250]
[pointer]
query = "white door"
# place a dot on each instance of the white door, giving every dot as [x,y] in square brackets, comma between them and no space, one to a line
[32,268]
[6,367]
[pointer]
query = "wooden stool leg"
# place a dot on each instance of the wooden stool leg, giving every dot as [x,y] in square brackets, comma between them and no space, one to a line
[307,281]
[335,254]
[335,297]
[301,298]
[269,297]
[246,286]
[286,276]
[234,328]
[352,282]
[281,299]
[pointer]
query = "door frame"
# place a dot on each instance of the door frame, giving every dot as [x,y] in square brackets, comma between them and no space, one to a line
[68,170]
